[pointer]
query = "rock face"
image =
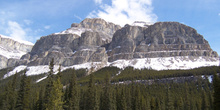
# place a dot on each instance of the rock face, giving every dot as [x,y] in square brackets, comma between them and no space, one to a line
[11,51]
[162,39]
[79,44]
[95,40]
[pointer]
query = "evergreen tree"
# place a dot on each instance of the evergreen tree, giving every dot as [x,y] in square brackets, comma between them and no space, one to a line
[6,100]
[216,85]
[73,96]
[153,103]
[56,95]
[205,105]
[158,106]
[10,95]
[107,100]
[187,99]
[53,92]
[39,104]
[49,86]
[91,95]
[169,105]
[23,102]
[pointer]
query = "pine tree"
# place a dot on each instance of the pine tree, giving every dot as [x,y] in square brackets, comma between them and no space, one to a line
[91,95]
[169,105]
[10,95]
[39,104]
[187,99]
[153,103]
[6,100]
[23,102]
[57,94]
[205,105]
[73,96]
[216,95]
[108,101]
[53,92]
[158,106]
[49,86]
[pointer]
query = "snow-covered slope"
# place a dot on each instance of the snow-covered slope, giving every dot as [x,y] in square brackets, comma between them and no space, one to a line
[36,70]
[17,40]
[12,48]
[151,63]
[142,23]
[165,63]
[74,30]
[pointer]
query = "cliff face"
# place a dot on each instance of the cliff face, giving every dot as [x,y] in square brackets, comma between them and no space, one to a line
[11,51]
[79,44]
[95,40]
[162,39]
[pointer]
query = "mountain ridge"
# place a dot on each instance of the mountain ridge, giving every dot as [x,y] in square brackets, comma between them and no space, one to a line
[11,50]
[171,44]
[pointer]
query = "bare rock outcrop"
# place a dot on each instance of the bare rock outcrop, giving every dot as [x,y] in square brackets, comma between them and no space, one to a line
[162,39]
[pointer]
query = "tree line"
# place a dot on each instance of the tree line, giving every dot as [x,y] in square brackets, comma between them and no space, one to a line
[100,94]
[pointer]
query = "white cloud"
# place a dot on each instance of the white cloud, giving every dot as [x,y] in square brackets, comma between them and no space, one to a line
[126,12]
[16,31]
[47,27]
[219,14]
[98,1]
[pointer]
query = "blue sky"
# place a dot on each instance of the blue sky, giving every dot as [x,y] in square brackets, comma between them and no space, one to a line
[31,19]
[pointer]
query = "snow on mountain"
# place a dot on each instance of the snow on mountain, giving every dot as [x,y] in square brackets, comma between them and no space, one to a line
[9,47]
[142,23]
[17,40]
[151,63]
[166,63]
[9,53]
[37,70]
[74,30]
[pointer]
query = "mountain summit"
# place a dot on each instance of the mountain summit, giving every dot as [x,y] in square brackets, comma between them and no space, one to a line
[162,45]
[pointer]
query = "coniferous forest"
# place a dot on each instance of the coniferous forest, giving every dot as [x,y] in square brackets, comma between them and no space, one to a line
[106,89]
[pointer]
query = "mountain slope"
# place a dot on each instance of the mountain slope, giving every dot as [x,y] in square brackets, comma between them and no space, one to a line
[95,42]
[11,50]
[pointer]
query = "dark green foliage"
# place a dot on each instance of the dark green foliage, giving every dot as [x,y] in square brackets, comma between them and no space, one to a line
[53,93]
[91,102]
[73,95]
[99,91]
[130,73]
[216,85]
[10,94]
[23,100]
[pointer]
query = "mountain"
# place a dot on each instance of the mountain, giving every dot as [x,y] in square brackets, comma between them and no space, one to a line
[11,51]
[97,43]
[82,43]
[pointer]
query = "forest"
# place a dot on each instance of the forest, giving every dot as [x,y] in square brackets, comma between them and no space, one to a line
[76,90]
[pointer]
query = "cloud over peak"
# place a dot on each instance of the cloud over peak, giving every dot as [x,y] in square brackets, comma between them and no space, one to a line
[126,11]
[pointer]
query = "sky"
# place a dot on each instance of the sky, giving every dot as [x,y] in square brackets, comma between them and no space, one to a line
[30,19]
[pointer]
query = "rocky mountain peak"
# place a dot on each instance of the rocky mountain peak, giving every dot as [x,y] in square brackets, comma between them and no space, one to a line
[162,39]
[99,25]
[95,40]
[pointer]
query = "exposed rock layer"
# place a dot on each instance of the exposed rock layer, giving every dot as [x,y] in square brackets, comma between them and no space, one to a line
[163,39]
[95,40]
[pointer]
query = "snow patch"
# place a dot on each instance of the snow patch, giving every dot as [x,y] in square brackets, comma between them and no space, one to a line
[74,30]
[9,53]
[37,70]
[142,23]
[17,69]
[17,40]
[166,63]
[41,79]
